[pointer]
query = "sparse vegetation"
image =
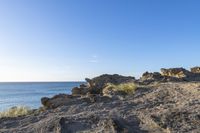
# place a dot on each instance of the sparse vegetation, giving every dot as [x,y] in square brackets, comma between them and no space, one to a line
[125,88]
[16,111]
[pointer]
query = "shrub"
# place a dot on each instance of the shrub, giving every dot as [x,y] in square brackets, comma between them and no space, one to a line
[124,88]
[16,111]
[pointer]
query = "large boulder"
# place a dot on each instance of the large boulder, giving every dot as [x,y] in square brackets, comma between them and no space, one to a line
[68,100]
[195,70]
[156,76]
[176,72]
[56,101]
[82,90]
[97,84]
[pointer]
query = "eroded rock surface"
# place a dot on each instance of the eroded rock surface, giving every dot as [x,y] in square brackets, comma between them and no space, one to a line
[166,102]
[195,70]
[171,75]
[175,72]
[163,108]
[98,83]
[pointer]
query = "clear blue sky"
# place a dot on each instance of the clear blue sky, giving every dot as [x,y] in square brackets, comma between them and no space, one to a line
[59,40]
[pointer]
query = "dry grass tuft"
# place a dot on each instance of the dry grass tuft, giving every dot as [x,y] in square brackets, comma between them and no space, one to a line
[16,111]
[127,88]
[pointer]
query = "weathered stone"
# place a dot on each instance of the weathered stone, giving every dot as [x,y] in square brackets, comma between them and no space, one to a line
[195,70]
[97,84]
[45,101]
[151,76]
[86,85]
[166,107]
[175,72]
[56,101]
[83,90]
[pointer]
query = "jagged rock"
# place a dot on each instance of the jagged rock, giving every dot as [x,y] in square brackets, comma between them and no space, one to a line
[97,84]
[175,72]
[171,75]
[181,74]
[67,100]
[195,70]
[166,107]
[56,101]
[82,90]
[45,101]
[156,76]
[148,78]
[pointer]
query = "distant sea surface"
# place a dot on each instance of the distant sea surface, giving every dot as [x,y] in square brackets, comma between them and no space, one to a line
[30,93]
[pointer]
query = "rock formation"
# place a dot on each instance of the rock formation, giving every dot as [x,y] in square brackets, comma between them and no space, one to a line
[195,70]
[175,72]
[170,105]
[151,77]
[171,75]
[96,85]
[163,108]
[78,91]
[56,101]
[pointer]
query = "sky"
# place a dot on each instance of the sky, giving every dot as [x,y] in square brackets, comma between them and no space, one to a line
[68,40]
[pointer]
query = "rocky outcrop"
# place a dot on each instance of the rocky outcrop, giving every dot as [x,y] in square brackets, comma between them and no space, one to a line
[195,70]
[67,100]
[171,75]
[97,84]
[163,108]
[154,108]
[82,90]
[181,74]
[148,78]
[176,72]
[56,101]
[151,77]
[63,100]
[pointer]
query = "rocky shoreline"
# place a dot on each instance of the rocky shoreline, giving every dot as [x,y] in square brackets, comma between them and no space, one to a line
[160,102]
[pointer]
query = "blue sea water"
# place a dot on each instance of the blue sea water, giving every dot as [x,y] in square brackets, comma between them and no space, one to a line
[29,94]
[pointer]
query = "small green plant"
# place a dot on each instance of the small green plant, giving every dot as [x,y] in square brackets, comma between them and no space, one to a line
[125,88]
[16,111]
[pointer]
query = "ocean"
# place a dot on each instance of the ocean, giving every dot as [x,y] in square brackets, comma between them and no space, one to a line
[29,93]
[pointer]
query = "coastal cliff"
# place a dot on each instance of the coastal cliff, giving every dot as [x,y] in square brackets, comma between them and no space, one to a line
[159,102]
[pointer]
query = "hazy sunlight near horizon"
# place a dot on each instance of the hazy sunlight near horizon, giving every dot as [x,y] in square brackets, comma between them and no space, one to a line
[70,40]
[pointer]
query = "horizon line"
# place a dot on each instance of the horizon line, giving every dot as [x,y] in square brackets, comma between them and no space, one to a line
[37,81]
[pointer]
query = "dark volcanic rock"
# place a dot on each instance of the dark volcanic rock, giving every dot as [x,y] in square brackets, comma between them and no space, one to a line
[97,84]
